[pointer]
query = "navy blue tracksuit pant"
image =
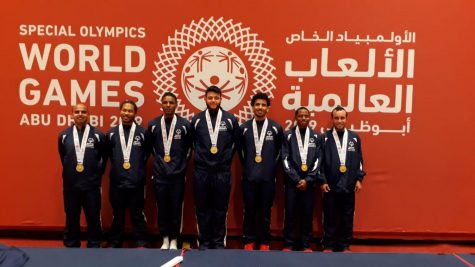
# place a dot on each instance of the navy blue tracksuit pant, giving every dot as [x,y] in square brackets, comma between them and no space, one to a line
[338,212]
[211,191]
[258,198]
[132,199]
[298,208]
[169,198]
[90,201]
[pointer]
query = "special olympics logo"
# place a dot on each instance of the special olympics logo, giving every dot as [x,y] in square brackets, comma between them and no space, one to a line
[213,64]
[218,66]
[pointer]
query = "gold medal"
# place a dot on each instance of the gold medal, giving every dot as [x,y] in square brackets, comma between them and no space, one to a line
[167,158]
[126,165]
[304,167]
[342,168]
[258,159]
[214,150]
[79,167]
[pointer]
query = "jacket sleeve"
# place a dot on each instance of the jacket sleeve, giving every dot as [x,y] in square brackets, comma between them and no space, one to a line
[188,140]
[148,144]
[236,133]
[193,132]
[152,137]
[279,140]
[240,144]
[288,169]
[360,173]
[103,152]
[321,179]
[312,175]
[109,144]
[61,149]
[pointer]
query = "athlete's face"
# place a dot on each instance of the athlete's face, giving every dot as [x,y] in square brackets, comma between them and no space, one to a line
[339,119]
[213,100]
[168,106]
[80,115]
[302,117]
[127,114]
[260,109]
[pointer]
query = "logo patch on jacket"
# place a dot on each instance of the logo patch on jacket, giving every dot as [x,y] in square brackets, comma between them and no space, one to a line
[137,141]
[222,126]
[177,134]
[269,136]
[311,142]
[90,142]
[351,146]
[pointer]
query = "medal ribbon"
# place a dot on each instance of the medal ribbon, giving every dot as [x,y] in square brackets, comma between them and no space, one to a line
[213,134]
[303,148]
[167,139]
[341,148]
[259,140]
[126,148]
[80,149]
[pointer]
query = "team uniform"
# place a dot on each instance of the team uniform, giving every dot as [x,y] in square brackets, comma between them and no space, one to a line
[258,181]
[212,178]
[127,184]
[169,176]
[82,183]
[339,203]
[298,203]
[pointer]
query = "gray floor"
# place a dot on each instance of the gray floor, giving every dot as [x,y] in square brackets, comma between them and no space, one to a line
[240,258]
[43,257]
[81,257]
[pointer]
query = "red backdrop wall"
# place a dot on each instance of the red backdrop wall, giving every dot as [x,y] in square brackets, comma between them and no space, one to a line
[414,119]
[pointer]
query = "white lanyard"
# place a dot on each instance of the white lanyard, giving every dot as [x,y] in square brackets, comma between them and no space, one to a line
[341,148]
[259,140]
[213,133]
[126,148]
[80,149]
[303,148]
[167,140]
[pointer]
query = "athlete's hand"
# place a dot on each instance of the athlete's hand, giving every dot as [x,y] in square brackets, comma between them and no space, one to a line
[325,188]
[358,186]
[302,185]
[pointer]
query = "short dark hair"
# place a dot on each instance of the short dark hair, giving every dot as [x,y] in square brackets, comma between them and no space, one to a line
[169,94]
[213,89]
[127,101]
[339,108]
[301,108]
[260,96]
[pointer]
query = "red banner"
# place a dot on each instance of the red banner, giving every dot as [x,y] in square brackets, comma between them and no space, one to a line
[403,70]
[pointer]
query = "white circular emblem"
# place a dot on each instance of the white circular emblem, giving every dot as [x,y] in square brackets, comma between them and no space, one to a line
[214,52]
[214,65]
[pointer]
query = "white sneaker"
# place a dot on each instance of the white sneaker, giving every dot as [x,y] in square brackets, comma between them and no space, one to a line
[173,244]
[166,243]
